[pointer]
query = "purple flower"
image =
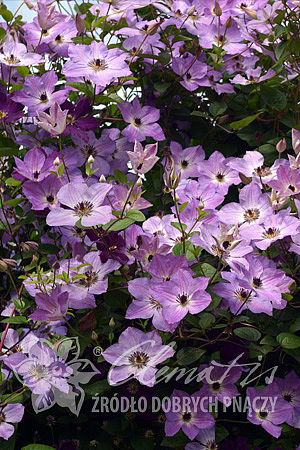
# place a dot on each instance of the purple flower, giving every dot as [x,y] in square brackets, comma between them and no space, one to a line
[11,413]
[79,117]
[221,382]
[15,54]
[132,201]
[145,306]
[274,227]
[44,194]
[187,415]
[51,307]
[190,72]
[252,76]
[97,63]
[142,121]
[10,111]
[165,267]
[253,207]
[296,140]
[187,161]
[55,122]
[268,414]
[111,245]
[38,93]
[216,172]
[143,160]
[205,197]
[289,389]
[287,182]
[206,439]
[136,355]
[41,369]
[183,295]
[35,166]
[83,202]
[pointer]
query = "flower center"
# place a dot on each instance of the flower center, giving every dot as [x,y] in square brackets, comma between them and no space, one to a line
[43,97]
[2,417]
[58,38]
[211,445]
[98,64]
[292,188]
[50,198]
[186,417]
[83,209]
[220,177]
[89,280]
[184,164]
[251,214]
[155,304]
[36,174]
[3,114]
[287,397]
[183,299]
[262,414]
[271,233]
[262,171]
[139,359]
[39,371]
[70,119]
[242,295]
[12,59]
[89,150]
[215,386]
[137,122]
[256,283]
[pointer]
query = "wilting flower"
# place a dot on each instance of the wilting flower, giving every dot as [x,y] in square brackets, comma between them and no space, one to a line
[83,202]
[51,307]
[11,413]
[55,122]
[184,294]
[142,121]
[143,160]
[136,355]
[188,415]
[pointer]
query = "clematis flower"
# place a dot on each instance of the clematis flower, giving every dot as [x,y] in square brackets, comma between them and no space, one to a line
[206,440]
[252,208]
[187,161]
[55,122]
[38,93]
[142,122]
[11,413]
[145,306]
[187,416]
[41,369]
[136,355]
[165,267]
[252,76]
[111,245]
[82,202]
[269,415]
[143,160]
[289,389]
[51,307]
[10,111]
[79,117]
[134,201]
[34,167]
[287,182]
[46,16]
[181,296]
[216,172]
[190,72]
[97,63]
[221,383]
[275,227]
[44,194]
[296,140]
[15,54]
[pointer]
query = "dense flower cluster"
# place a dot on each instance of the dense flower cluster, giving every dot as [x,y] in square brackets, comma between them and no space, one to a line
[144,211]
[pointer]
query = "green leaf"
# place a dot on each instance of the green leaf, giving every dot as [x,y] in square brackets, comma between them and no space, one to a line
[97,388]
[135,215]
[37,447]
[188,355]
[49,249]
[12,182]
[249,333]
[179,440]
[243,122]
[120,176]
[2,33]
[295,326]
[23,71]
[288,340]
[206,320]
[118,224]
[16,320]
[9,399]
[274,97]
[82,87]
[217,108]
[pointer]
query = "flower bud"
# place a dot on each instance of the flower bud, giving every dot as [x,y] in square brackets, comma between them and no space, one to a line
[244,179]
[217,9]
[79,24]
[31,245]
[94,335]
[176,197]
[11,263]
[112,322]
[152,29]
[56,162]
[3,266]
[28,4]
[102,179]
[191,11]
[139,182]
[91,160]
[281,146]
[228,22]
[250,13]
